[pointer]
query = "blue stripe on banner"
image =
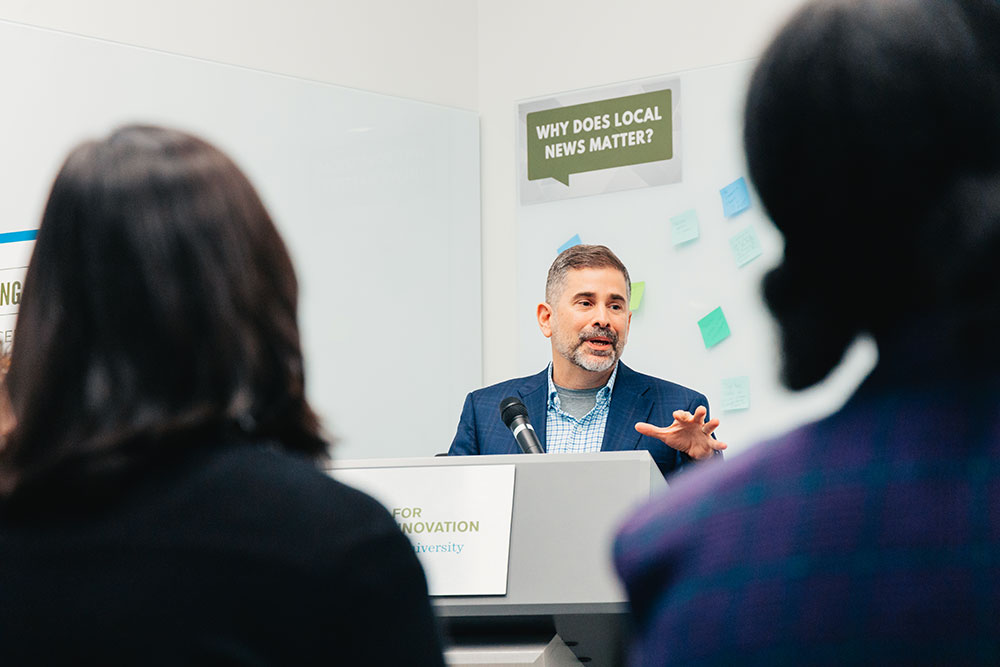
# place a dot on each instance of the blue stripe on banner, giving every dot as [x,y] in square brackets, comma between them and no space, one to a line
[11,237]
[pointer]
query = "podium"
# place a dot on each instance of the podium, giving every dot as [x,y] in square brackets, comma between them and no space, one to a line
[561,583]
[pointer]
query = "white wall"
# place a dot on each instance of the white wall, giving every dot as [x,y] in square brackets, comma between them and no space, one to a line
[482,55]
[421,49]
[323,159]
[530,48]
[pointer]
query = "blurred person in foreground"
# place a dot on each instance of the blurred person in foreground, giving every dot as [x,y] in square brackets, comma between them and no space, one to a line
[161,501]
[872,131]
[6,415]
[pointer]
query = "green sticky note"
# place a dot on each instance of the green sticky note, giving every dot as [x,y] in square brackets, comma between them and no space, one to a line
[684,227]
[714,328]
[735,393]
[745,246]
[638,289]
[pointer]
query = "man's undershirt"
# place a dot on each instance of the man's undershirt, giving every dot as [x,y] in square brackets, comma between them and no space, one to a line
[577,402]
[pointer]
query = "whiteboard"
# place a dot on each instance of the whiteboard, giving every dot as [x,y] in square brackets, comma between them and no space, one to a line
[377,198]
[685,283]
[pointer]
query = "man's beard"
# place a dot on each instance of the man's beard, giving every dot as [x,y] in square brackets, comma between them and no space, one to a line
[585,358]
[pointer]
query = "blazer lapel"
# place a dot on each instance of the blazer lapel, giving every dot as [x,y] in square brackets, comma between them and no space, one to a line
[629,404]
[534,395]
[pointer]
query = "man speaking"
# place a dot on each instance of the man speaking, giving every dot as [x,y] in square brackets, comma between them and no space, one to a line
[587,400]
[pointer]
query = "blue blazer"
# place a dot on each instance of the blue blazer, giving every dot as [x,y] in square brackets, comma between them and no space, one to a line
[635,398]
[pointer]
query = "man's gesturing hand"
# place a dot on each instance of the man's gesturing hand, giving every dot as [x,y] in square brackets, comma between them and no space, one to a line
[689,433]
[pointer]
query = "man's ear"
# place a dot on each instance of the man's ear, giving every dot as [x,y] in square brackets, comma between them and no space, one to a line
[545,319]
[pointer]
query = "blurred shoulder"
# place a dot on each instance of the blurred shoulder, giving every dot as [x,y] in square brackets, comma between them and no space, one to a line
[712,499]
[287,477]
[266,490]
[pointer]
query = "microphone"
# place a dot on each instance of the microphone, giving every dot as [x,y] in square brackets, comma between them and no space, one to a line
[515,416]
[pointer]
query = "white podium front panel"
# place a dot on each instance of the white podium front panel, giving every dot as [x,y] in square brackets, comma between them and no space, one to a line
[457,518]
[566,510]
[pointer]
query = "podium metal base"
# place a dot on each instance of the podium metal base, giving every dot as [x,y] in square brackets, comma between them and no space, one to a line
[596,636]
[553,654]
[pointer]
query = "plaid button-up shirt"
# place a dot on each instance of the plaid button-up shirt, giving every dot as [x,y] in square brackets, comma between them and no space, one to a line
[565,433]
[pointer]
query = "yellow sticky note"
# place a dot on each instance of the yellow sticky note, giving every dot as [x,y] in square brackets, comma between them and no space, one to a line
[637,291]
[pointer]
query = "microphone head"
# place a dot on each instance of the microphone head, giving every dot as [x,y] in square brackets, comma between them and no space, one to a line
[510,408]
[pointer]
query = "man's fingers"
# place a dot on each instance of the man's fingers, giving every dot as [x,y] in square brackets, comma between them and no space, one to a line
[718,445]
[682,415]
[648,429]
[700,413]
[710,427]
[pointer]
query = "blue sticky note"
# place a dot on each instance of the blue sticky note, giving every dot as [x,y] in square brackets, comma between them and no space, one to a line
[745,246]
[684,227]
[735,197]
[569,244]
[735,393]
[714,328]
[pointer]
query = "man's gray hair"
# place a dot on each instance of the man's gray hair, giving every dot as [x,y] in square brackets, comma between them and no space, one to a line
[582,257]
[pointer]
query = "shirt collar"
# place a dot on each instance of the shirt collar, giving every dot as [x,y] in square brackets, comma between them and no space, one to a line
[604,394]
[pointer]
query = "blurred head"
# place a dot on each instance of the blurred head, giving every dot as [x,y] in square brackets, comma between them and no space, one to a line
[159,304]
[872,132]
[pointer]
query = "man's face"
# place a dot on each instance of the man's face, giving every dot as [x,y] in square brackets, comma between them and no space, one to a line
[588,323]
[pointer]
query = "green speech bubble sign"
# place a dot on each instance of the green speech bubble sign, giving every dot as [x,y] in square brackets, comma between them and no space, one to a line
[600,135]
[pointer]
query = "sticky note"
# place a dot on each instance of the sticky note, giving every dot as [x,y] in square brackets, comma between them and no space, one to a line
[569,244]
[735,393]
[714,328]
[684,227]
[638,289]
[745,246]
[735,197]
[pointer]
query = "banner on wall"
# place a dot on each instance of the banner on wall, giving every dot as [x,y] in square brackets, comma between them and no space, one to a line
[15,251]
[599,140]
[11,284]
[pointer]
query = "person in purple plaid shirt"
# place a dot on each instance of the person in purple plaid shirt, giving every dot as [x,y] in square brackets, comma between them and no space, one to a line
[872,131]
